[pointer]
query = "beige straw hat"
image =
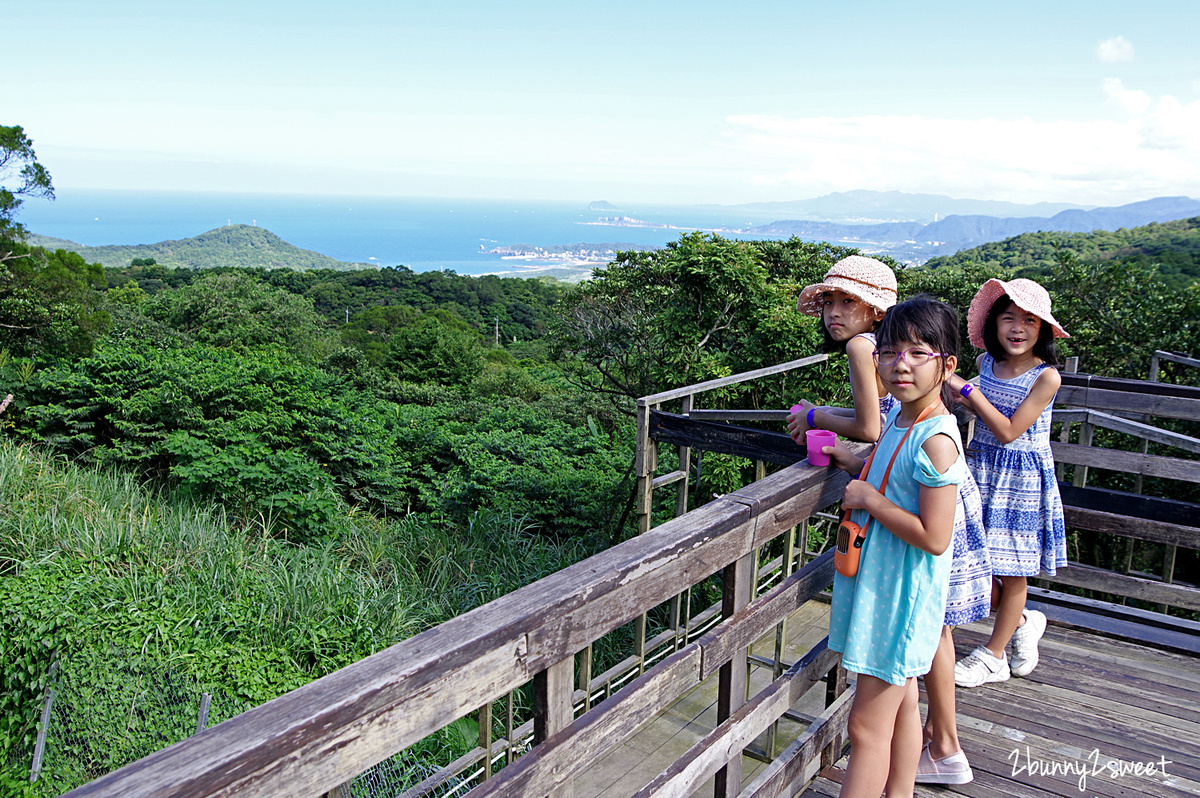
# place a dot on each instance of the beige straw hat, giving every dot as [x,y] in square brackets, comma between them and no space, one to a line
[866,278]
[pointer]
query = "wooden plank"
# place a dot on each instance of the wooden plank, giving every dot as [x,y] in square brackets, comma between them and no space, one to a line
[740,416]
[725,742]
[1026,733]
[740,579]
[752,622]
[602,728]
[1129,462]
[1162,406]
[715,436]
[1078,613]
[1143,431]
[1105,581]
[1149,508]
[1123,525]
[780,777]
[1177,358]
[734,379]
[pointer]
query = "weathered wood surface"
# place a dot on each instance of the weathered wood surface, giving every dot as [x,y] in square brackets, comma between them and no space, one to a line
[733,379]
[1130,396]
[1090,701]
[726,742]
[1145,627]
[321,735]
[1129,462]
[790,768]
[1135,587]
[1146,508]
[714,436]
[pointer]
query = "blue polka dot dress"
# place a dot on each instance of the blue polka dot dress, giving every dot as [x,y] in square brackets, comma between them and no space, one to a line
[1022,508]
[969,597]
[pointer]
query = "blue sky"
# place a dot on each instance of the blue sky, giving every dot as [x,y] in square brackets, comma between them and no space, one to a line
[678,102]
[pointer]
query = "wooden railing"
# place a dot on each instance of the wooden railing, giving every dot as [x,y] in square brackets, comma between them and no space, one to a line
[1126,406]
[320,736]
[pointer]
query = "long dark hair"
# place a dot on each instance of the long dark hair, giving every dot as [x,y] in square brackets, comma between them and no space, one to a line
[1043,347]
[923,319]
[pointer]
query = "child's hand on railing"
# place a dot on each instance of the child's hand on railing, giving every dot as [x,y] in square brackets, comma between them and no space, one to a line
[844,459]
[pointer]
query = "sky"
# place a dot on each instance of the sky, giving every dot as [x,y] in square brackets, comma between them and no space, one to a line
[1091,102]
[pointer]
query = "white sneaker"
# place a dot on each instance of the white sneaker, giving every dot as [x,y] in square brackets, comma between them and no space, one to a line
[980,667]
[953,769]
[1025,642]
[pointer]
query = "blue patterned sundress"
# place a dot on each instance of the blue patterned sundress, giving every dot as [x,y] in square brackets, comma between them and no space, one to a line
[970,595]
[1022,508]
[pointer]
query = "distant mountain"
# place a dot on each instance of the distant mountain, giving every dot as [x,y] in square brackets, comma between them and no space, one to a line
[234,245]
[896,206]
[602,205]
[914,242]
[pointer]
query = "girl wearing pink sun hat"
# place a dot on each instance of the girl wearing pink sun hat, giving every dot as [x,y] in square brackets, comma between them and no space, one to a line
[1011,461]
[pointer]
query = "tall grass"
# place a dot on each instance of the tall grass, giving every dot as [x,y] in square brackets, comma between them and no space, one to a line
[128,550]
[139,574]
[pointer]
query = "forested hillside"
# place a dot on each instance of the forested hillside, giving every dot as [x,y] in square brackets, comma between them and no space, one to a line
[1172,249]
[235,245]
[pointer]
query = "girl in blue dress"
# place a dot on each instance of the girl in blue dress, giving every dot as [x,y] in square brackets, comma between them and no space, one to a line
[1011,461]
[887,619]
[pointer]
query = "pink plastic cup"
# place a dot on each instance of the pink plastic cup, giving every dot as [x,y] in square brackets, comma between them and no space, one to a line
[815,439]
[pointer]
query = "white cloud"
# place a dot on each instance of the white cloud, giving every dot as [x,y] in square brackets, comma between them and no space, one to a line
[1154,151]
[1131,100]
[1117,50]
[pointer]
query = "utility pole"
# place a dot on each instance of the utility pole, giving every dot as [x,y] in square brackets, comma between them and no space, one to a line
[497,320]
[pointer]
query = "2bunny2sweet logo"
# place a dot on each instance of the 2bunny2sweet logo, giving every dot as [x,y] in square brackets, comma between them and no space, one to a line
[1114,769]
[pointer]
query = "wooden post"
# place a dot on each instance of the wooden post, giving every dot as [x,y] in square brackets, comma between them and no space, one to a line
[509,753]
[585,676]
[835,685]
[485,738]
[552,706]
[643,468]
[731,680]
[1086,429]
[685,463]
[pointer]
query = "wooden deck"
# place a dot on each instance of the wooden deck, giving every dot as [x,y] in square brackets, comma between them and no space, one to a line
[1097,719]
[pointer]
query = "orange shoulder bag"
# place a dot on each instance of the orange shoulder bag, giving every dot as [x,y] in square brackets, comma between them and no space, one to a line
[850,536]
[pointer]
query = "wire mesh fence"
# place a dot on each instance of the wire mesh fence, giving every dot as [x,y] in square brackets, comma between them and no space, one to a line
[107,712]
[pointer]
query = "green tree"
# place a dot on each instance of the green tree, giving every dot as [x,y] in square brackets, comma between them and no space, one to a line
[50,302]
[18,160]
[438,347]
[234,309]
[700,308]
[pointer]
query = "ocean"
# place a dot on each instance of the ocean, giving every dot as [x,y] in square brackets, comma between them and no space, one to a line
[424,234]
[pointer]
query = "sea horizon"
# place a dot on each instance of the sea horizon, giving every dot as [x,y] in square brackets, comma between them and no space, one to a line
[420,233]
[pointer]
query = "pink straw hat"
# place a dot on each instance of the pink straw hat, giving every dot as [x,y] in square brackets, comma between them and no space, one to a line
[1025,294]
[866,278]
